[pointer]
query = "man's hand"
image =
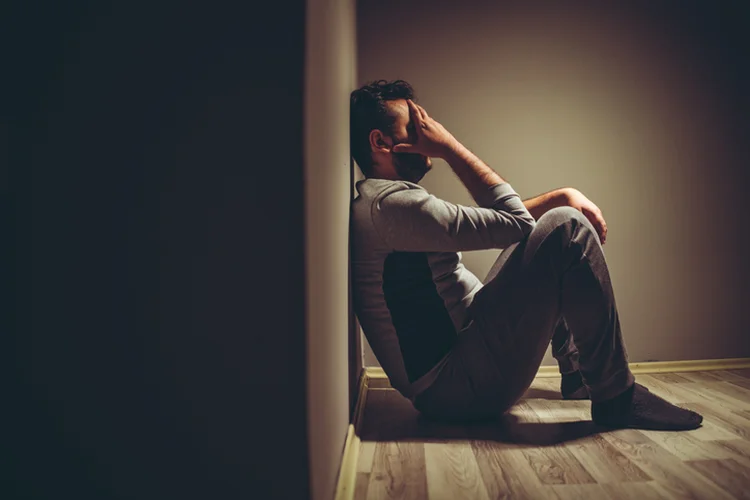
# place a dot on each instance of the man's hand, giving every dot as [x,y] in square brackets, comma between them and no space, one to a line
[432,138]
[577,200]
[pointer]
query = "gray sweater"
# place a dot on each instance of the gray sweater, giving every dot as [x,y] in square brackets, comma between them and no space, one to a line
[411,291]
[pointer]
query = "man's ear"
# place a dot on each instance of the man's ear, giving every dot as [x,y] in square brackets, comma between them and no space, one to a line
[379,143]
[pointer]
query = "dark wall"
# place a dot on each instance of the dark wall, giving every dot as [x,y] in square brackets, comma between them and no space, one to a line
[156,162]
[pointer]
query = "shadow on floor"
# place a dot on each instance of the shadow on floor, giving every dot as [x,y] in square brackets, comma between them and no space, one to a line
[391,417]
[534,393]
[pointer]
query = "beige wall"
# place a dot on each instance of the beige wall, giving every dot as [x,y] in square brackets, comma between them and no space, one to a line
[329,78]
[635,109]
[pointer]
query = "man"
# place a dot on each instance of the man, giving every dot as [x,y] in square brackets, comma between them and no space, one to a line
[459,348]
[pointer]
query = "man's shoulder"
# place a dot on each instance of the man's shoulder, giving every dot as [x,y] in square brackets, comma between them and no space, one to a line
[375,190]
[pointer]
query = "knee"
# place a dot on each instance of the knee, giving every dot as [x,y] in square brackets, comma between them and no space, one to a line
[564,216]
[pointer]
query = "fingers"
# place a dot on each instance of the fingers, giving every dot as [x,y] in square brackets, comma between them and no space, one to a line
[602,228]
[417,110]
[597,220]
[414,111]
[404,148]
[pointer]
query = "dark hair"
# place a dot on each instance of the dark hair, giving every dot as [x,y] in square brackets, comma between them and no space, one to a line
[368,112]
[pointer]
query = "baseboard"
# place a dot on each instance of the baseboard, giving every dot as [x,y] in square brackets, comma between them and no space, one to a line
[375,377]
[348,471]
[376,373]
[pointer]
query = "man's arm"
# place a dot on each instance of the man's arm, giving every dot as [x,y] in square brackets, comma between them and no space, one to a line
[481,181]
[414,220]
[435,141]
[409,219]
[539,205]
[568,197]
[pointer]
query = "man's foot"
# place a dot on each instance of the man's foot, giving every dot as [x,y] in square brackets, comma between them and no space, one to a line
[638,408]
[571,386]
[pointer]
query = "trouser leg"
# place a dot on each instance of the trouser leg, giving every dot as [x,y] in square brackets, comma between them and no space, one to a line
[558,271]
[564,349]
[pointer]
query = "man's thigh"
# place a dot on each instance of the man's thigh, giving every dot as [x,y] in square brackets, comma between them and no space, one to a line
[513,318]
[501,259]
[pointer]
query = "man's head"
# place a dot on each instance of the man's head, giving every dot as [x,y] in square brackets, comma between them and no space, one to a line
[379,119]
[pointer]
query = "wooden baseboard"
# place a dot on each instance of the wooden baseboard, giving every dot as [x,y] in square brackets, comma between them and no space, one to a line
[348,471]
[375,377]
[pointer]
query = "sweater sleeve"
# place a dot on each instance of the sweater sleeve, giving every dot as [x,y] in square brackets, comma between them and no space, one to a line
[410,219]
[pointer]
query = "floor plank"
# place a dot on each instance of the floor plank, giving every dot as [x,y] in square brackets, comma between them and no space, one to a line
[743,372]
[740,382]
[605,463]
[728,376]
[661,465]
[506,472]
[362,482]
[729,423]
[366,456]
[671,378]
[398,471]
[701,377]
[728,474]
[452,472]
[740,447]
[738,396]
[685,447]
[557,465]
[580,491]
[650,490]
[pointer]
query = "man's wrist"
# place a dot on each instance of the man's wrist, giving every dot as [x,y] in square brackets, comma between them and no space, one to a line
[454,151]
[567,195]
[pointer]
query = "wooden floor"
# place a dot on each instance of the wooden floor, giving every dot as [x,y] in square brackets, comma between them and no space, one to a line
[548,448]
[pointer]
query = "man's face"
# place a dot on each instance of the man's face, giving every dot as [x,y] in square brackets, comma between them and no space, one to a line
[409,166]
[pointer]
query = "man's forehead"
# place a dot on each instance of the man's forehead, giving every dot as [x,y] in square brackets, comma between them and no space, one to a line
[400,109]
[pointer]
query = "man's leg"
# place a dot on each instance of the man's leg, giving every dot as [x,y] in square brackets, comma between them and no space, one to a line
[559,271]
[564,349]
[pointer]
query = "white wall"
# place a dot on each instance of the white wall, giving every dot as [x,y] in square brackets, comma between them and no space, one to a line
[634,108]
[329,78]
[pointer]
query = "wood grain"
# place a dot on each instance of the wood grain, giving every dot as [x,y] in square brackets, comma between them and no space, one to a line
[507,473]
[701,377]
[728,376]
[579,491]
[740,447]
[360,487]
[728,474]
[744,372]
[452,472]
[557,465]
[398,471]
[649,490]
[738,396]
[670,378]
[605,463]
[740,382]
[730,425]
[684,446]
[366,456]
[661,465]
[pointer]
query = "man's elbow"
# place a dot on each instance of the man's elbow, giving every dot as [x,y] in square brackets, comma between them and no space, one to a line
[527,224]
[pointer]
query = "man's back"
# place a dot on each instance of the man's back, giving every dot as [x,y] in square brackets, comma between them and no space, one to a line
[411,291]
